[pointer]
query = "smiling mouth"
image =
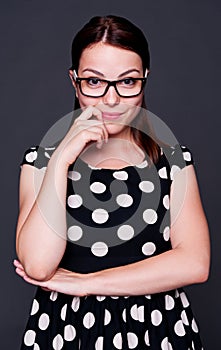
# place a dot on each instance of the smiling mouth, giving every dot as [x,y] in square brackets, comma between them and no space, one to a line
[111,116]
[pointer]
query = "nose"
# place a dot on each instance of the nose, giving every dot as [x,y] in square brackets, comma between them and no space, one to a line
[111,98]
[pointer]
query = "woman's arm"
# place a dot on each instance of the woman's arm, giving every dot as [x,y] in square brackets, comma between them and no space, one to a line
[41,225]
[186,263]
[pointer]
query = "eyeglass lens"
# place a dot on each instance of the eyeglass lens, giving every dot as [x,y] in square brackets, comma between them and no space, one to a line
[95,87]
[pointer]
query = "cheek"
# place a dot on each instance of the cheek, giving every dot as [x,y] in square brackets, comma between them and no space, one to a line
[137,101]
[85,101]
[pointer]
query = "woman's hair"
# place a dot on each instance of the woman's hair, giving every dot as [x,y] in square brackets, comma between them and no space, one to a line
[120,32]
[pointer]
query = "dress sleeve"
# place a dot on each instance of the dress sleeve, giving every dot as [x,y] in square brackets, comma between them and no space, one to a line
[180,157]
[186,153]
[37,156]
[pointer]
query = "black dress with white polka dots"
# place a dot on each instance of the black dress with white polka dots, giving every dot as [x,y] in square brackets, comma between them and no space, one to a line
[114,217]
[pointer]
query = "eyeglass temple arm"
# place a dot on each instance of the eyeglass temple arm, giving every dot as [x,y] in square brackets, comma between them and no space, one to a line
[74,74]
[146,73]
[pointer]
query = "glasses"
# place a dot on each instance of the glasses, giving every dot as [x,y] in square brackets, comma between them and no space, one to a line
[96,87]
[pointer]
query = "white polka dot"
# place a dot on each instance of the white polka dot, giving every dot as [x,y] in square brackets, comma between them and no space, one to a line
[124,315]
[137,313]
[142,165]
[177,294]
[35,307]
[187,156]
[125,232]
[174,169]
[156,317]
[75,233]
[165,345]
[163,173]
[146,186]
[47,155]
[49,148]
[132,340]
[75,201]
[69,332]
[179,328]
[36,346]
[194,326]
[120,175]
[169,302]
[107,317]
[117,341]
[184,299]
[166,201]
[124,200]
[150,216]
[53,295]
[148,248]
[184,318]
[29,338]
[43,322]
[97,187]
[99,249]
[146,338]
[100,297]
[166,233]
[99,343]
[75,303]
[88,320]
[74,175]
[133,312]
[63,312]
[58,342]
[148,296]
[100,215]
[30,157]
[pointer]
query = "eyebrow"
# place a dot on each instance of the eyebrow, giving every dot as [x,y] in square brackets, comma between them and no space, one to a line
[119,76]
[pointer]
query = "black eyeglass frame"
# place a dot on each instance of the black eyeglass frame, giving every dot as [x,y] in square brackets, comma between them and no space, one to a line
[111,83]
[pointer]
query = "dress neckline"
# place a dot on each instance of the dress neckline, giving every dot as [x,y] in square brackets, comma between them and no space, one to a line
[142,164]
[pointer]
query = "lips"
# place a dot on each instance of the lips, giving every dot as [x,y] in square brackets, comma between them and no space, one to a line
[111,115]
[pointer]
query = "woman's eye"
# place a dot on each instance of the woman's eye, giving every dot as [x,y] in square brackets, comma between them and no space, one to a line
[93,81]
[128,81]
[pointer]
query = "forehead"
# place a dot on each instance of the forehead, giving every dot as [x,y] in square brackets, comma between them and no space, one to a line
[109,59]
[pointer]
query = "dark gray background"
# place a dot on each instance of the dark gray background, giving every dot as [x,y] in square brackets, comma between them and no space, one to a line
[183,90]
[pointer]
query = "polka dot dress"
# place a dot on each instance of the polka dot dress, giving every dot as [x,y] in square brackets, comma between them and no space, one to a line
[114,217]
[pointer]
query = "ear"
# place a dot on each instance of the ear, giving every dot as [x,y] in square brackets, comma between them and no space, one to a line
[70,73]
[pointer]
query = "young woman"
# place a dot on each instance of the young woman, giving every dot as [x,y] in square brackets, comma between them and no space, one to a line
[116,227]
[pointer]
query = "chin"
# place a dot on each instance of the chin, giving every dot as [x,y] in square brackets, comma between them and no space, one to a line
[115,128]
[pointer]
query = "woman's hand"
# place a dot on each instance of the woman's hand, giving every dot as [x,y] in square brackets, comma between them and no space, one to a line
[84,129]
[63,281]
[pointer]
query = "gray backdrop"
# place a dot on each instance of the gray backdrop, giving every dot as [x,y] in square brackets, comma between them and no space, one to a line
[182,90]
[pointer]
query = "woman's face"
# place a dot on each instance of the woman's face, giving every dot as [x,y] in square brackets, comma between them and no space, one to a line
[108,62]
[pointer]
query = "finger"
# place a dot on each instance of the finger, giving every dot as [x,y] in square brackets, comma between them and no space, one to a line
[46,289]
[89,112]
[35,282]
[90,136]
[100,130]
[92,122]
[20,272]
[100,125]
[16,262]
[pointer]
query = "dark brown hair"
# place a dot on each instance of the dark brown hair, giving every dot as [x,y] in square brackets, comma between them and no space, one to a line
[120,32]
